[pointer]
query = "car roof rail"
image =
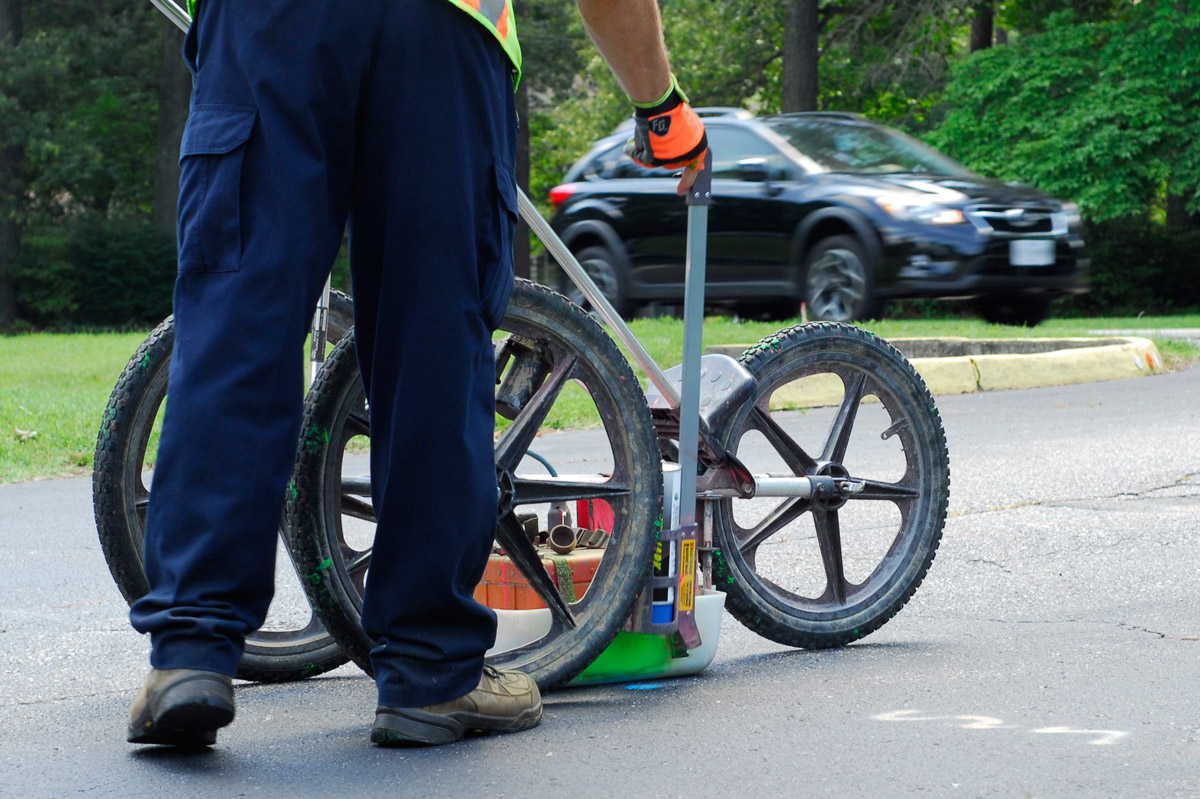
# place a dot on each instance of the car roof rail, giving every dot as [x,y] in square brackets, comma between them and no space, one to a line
[707,112]
[831,114]
[723,111]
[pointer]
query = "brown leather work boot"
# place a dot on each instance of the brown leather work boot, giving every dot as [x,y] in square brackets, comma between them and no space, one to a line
[181,707]
[505,701]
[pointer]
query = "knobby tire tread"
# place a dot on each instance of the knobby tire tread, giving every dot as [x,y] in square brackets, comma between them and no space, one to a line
[757,612]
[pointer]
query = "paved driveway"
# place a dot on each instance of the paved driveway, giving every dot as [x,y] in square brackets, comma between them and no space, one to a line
[1054,651]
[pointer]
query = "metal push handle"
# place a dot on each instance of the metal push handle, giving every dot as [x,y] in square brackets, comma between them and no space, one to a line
[699,197]
[174,12]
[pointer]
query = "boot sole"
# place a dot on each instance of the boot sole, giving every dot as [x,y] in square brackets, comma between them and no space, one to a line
[187,715]
[405,727]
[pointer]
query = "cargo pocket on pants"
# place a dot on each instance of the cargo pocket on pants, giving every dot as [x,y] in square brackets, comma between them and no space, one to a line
[210,188]
[496,272]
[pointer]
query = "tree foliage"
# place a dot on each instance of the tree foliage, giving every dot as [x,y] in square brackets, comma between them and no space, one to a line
[77,96]
[1103,111]
[1093,100]
[77,109]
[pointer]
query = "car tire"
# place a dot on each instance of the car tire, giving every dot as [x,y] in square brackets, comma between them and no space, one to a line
[608,275]
[837,281]
[1015,309]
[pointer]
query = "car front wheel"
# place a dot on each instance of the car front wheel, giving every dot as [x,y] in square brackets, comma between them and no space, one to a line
[838,286]
[602,267]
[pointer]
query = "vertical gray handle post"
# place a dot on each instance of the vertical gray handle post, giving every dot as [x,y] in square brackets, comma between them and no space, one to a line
[699,197]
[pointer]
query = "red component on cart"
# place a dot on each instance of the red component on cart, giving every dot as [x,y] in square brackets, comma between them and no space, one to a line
[594,514]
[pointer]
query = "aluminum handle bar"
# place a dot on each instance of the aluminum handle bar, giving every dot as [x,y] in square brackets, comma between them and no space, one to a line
[174,12]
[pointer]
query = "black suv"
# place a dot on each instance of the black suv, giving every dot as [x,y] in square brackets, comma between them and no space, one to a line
[827,209]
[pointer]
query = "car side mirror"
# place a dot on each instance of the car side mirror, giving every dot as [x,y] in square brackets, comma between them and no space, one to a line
[753,170]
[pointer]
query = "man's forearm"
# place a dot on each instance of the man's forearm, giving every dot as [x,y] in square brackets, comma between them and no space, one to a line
[628,34]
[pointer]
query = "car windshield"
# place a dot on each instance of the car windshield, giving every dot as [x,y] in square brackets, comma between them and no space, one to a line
[854,146]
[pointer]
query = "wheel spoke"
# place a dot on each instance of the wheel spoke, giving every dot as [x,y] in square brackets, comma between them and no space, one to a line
[829,537]
[532,492]
[521,551]
[893,492]
[843,425]
[784,514]
[358,424]
[515,441]
[792,453]
[356,562]
[357,508]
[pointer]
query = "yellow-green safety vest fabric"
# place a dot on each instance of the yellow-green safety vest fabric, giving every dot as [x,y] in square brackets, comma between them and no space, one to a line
[495,15]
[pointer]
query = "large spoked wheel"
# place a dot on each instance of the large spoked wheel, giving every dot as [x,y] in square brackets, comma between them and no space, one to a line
[832,402]
[292,644]
[553,363]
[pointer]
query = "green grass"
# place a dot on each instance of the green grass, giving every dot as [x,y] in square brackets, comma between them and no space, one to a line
[53,387]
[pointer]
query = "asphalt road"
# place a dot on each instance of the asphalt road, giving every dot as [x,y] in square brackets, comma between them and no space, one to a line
[1053,651]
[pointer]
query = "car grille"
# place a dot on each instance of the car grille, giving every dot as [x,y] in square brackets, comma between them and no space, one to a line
[1017,221]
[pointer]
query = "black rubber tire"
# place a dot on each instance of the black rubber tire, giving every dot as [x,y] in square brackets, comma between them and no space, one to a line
[608,275]
[777,582]
[336,561]
[1027,310]
[120,491]
[838,281]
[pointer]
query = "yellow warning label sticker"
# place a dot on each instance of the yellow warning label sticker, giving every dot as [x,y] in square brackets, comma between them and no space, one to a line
[687,574]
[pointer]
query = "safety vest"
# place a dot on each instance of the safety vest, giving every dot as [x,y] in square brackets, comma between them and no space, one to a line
[496,16]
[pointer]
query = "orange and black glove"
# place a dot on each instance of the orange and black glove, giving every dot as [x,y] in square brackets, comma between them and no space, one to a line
[668,134]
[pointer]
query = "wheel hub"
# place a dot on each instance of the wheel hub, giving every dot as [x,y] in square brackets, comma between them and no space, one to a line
[505,493]
[832,486]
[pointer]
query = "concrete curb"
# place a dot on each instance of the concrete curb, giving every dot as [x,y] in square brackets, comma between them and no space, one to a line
[964,366]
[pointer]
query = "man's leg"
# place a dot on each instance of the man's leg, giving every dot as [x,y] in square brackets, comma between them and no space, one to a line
[267,161]
[431,238]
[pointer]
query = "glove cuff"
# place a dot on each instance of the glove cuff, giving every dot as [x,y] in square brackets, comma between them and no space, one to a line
[672,98]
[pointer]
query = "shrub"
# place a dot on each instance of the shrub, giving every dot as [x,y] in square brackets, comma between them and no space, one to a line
[1139,266]
[95,271]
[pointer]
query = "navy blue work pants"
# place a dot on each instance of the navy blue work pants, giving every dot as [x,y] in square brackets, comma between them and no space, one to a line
[398,120]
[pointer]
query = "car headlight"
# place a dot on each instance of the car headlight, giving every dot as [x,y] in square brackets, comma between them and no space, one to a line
[918,210]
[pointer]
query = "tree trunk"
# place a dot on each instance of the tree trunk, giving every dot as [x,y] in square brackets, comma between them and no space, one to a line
[521,250]
[174,93]
[801,55]
[11,157]
[982,25]
[1178,216]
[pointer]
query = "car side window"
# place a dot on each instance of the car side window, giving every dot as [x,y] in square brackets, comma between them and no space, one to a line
[732,146]
[626,168]
[613,164]
[601,167]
